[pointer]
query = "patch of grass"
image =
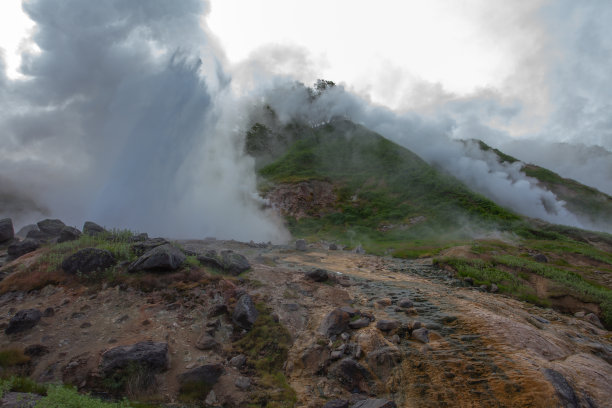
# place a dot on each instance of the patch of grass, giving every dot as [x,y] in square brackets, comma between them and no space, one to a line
[267,346]
[192,261]
[12,357]
[133,380]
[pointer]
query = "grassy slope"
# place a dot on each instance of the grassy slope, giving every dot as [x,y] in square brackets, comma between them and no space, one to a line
[379,183]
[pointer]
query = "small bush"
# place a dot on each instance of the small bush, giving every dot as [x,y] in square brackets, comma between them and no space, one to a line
[12,357]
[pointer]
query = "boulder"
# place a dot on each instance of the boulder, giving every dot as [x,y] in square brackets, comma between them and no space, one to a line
[540,258]
[317,275]
[39,235]
[229,261]
[142,247]
[163,257]
[51,227]
[333,247]
[336,322]
[23,232]
[238,361]
[36,350]
[244,383]
[421,334]
[387,325]
[148,354]
[353,376]
[206,342]
[374,403]
[337,403]
[405,303]
[359,323]
[300,245]
[91,228]
[383,361]
[245,314]
[88,260]
[23,320]
[21,248]
[206,375]
[69,234]
[6,230]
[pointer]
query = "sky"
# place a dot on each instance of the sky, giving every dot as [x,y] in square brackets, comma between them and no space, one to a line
[118,102]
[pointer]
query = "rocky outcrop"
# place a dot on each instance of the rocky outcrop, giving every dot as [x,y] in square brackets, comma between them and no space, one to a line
[23,320]
[51,227]
[150,355]
[351,375]
[383,361]
[205,375]
[91,228]
[162,258]
[6,230]
[229,261]
[565,392]
[336,322]
[69,234]
[303,199]
[245,314]
[23,247]
[88,260]
[142,247]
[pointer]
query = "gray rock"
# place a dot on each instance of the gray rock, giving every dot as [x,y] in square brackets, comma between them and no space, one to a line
[317,275]
[23,320]
[206,375]
[6,230]
[147,354]
[405,303]
[19,400]
[244,383]
[140,248]
[387,325]
[383,361]
[333,247]
[352,375]
[69,234]
[23,232]
[336,354]
[421,334]
[565,392]
[91,228]
[88,260]
[164,257]
[540,258]
[300,245]
[238,361]
[374,403]
[51,227]
[229,261]
[337,403]
[359,250]
[336,322]
[359,323]
[594,320]
[206,342]
[494,288]
[245,314]
[41,236]
[21,248]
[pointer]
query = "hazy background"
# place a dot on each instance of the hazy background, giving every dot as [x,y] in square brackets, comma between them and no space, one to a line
[132,113]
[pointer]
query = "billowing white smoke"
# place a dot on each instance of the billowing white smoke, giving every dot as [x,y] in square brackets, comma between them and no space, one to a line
[126,118]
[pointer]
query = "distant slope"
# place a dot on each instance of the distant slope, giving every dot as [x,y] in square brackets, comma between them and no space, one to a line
[591,206]
[384,192]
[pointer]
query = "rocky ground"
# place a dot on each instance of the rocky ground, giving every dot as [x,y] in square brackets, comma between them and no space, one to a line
[364,330]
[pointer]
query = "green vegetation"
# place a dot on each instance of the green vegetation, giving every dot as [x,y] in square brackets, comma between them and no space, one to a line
[267,345]
[12,357]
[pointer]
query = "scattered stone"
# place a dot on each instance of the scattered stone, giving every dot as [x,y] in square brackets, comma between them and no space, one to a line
[333,247]
[238,361]
[540,258]
[206,342]
[21,248]
[149,354]
[352,375]
[217,310]
[421,334]
[36,350]
[565,392]
[405,303]
[384,302]
[205,375]
[387,325]
[211,399]
[23,232]
[88,260]
[6,230]
[359,323]
[142,247]
[69,234]
[594,320]
[374,403]
[19,400]
[337,403]
[317,275]
[161,258]
[300,245]
[244,383]
[91,228]
[51,227]
[23,320]
[245,314]
[336,322]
